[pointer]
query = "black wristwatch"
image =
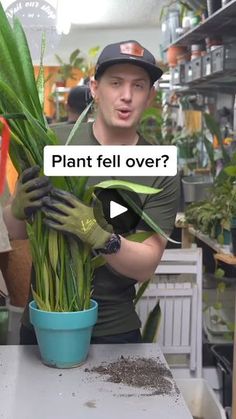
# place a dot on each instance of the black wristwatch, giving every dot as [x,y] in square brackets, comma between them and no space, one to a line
[112,245]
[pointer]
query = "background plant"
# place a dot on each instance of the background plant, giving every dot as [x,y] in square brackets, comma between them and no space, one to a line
[66,69]
[77,61]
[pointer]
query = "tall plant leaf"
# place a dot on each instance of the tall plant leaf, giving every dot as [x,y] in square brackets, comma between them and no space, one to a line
[28,70]
[40,80]
[152,324]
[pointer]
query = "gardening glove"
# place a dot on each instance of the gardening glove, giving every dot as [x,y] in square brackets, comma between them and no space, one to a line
[30,190]
[65,213]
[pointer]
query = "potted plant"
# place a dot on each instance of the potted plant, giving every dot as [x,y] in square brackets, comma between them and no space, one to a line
[63,267]
[66,69]
[230,170]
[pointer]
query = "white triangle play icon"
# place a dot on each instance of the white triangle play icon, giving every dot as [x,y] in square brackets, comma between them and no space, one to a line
[116,209]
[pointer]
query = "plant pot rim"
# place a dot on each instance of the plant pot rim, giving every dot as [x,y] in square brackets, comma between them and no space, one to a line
[33,306]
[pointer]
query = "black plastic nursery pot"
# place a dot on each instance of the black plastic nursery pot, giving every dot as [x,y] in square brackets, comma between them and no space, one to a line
[223,354]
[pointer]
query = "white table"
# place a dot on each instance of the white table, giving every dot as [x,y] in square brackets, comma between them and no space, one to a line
[31,390]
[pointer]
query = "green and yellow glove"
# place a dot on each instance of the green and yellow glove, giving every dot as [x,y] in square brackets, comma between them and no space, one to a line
[30,190]
[64,212]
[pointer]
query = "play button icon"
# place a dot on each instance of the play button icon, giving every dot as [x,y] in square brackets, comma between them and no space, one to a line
[116,209]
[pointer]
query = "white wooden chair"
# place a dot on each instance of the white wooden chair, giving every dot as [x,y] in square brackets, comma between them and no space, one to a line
[178,285]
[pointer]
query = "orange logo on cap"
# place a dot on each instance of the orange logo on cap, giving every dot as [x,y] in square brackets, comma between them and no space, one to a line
[131,48]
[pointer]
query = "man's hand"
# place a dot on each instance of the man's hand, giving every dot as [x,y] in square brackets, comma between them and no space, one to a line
[30,190]
[65,213]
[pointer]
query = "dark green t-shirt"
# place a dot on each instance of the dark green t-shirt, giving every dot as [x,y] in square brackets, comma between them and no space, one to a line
[114,292]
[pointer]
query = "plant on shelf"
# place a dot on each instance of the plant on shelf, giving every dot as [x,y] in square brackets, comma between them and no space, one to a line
[187,145]
[63,267]
[214,215]
[215,310]
[151,122]
[66,69]
[204,216]
[87,67]
[214,128]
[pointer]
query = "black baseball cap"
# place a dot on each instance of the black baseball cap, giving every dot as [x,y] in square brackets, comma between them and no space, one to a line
[128,52]
[79,97]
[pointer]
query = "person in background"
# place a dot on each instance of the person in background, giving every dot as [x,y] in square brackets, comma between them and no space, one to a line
[78,99]
[122,88]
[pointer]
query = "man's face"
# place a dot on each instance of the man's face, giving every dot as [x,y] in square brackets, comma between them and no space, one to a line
[122,93]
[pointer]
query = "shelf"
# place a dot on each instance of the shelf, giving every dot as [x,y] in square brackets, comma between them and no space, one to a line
[62,89]
[229,259]
[203,86]
[223,250]
[222,22]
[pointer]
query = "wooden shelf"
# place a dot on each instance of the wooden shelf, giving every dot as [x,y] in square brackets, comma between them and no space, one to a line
[229,259]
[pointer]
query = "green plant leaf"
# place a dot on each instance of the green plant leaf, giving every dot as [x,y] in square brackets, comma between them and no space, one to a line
[33,102]
[130,186]
[231,327]
[141,290]
[144,216]
[139,236]
[151,327]
[92,52]
[214,129]
[219,273]
[77,124]
[74,55]
[40,80]
[60,61]
[217,306]
[221,287]
[230,170]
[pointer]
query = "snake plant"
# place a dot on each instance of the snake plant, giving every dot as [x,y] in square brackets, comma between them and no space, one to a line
[63,267]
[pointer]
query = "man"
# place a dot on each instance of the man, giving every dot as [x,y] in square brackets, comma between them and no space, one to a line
[122,89]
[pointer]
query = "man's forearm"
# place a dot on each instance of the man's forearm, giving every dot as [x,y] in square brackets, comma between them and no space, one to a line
[16,228]
[138,260]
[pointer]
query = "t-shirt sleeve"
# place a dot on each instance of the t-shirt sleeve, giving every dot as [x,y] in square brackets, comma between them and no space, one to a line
[162,207]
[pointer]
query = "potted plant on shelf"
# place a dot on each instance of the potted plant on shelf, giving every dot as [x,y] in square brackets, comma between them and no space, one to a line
[63,267]
[230,170]
[66,69]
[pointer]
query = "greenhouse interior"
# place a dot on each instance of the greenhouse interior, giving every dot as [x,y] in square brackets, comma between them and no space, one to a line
[118,265]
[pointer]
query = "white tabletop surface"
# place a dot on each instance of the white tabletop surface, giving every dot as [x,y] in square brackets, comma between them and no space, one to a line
[31,390]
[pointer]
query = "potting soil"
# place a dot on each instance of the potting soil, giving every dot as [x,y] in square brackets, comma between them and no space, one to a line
[147,373]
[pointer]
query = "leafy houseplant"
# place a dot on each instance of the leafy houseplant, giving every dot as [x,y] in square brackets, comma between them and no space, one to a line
[215,309]
[150,126]
[213,216]
[66,70]
[63,267]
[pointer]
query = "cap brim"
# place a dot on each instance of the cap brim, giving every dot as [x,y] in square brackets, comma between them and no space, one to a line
[153,71]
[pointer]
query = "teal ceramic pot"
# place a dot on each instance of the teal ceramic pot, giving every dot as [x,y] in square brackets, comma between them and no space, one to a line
[63,337]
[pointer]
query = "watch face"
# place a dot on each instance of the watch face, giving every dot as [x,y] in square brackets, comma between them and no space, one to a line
[113,245]
[36,17]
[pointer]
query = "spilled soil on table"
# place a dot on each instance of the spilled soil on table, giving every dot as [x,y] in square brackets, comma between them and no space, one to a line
[144,373]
